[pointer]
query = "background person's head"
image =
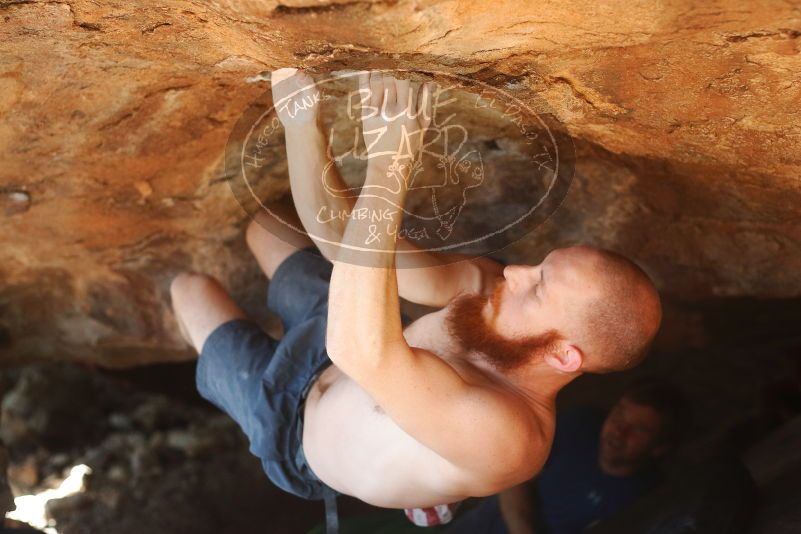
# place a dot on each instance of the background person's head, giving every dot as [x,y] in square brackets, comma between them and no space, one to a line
[582,309]
[645,423]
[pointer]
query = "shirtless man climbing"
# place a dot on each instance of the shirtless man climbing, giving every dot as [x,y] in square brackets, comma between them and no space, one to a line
[458,403]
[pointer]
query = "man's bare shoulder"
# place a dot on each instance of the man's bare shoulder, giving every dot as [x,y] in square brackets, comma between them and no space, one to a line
[521,436]
[533,427]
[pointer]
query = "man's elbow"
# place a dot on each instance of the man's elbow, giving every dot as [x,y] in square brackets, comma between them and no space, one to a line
[346,350]
[336,347]
[359,359]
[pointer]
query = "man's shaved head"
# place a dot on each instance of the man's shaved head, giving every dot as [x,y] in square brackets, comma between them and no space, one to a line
[617,323]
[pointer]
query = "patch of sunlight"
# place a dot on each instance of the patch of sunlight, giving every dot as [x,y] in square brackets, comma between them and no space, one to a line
[31,508]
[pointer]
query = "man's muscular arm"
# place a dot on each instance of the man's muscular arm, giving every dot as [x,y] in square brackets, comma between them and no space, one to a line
[477,430]
[434,280]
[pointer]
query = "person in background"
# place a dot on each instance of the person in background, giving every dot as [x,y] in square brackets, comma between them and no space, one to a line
[597,466]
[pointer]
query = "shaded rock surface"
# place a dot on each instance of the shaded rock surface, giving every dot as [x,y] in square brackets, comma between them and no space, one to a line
[115,115]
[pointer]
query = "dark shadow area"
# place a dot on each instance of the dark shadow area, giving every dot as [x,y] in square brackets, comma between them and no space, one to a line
[163,460]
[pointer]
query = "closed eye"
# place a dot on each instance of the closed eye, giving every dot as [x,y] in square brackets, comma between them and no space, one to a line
[537,292]
[540,284]
[533,294]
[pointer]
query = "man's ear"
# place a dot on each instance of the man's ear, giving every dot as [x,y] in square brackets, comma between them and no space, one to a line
[567,358]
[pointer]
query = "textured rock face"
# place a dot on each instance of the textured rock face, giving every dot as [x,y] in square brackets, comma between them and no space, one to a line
[684,115]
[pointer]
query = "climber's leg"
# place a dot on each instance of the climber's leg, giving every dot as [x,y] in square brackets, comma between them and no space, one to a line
[201,304]
[274,236]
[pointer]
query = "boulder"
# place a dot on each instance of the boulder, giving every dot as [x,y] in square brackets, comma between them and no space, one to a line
[683,118]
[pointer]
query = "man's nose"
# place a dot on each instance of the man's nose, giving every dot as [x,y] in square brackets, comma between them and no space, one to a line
[515,277]
[510,277]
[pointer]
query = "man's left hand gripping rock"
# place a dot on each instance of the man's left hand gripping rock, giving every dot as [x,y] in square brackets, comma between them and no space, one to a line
[395,117]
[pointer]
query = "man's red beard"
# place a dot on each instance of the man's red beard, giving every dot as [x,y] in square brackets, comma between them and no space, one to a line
[466,323]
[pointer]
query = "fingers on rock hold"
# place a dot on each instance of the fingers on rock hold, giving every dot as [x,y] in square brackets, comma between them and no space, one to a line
[402,89]
[364,81]
[390,92]
[376,88]
[282,74]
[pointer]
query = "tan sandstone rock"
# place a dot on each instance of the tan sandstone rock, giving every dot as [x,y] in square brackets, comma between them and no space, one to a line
[114,117]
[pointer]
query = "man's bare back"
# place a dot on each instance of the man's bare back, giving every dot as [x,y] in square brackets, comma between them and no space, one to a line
[355,448]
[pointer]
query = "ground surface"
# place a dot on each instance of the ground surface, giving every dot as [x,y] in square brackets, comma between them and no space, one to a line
[166,462]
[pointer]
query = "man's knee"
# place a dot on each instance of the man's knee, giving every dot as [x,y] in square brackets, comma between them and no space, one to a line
[201,304]
[256,236]
[268,249]
[193,293]
[190,284]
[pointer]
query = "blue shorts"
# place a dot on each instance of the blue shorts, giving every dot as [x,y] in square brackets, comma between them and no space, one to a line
[262,383]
